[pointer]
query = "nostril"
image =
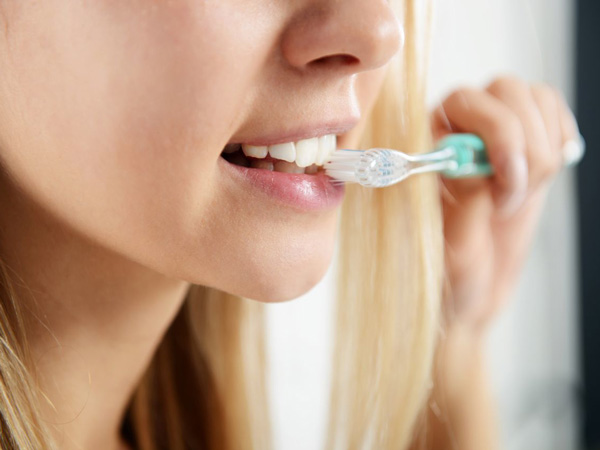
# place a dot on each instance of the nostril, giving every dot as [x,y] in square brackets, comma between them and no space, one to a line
[336,60]
[345,35]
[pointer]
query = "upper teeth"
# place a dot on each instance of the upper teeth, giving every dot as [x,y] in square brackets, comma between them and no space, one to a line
[304,153]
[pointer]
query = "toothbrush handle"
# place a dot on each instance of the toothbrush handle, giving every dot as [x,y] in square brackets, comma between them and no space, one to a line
[471,155]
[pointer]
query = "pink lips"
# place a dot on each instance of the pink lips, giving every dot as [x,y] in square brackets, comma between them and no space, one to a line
[299,191]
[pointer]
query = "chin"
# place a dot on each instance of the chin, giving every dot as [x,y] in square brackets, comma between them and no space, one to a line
[271,288]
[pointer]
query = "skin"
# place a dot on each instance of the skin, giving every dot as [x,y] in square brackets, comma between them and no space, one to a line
[489,224]
[113,197]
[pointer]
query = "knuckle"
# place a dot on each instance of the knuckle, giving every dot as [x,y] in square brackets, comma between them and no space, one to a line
[459,96]
[505,83]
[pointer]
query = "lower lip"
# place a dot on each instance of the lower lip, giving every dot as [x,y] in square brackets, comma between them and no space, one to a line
[299,191]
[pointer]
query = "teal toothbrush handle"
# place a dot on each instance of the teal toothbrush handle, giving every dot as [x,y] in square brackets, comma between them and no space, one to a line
[470,156]
[472,160]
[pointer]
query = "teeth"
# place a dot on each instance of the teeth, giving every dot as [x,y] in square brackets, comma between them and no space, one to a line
[304,153]
[326,147]
[287,167]
[286,152]
[254,151]
[258,164]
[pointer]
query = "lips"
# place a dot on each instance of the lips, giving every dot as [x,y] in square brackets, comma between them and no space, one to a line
[299,192]
[287,168]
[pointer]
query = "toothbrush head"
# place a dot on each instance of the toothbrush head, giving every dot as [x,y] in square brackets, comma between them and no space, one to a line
[376,167]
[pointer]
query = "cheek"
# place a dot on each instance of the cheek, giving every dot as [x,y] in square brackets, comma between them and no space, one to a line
[120,136]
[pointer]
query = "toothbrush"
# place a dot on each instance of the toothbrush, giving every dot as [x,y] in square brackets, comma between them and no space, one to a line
[459,155]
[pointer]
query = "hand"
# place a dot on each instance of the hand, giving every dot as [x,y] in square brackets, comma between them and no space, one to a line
[489,222]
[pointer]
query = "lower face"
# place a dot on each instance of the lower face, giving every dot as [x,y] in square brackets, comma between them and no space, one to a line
[154,130]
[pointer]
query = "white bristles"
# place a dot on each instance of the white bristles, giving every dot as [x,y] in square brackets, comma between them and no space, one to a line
[345,176]
[342,164]
[341,173]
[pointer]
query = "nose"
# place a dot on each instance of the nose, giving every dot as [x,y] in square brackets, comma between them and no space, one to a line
[350,35]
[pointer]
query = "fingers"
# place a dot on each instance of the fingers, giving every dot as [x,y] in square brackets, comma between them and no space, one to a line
[548,106]
[568,123]
[570,130]
[543,157]
[476,111]
[526,129]
[553,103]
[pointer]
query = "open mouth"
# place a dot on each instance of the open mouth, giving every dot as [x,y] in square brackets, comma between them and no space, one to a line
[306,156]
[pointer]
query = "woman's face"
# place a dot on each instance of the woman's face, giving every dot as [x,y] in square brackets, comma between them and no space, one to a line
[115,115]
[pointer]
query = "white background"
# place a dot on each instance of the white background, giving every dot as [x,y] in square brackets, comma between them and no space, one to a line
[533,344]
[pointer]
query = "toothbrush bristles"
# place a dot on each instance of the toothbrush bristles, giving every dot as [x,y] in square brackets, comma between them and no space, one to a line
[341,176]
[336,182]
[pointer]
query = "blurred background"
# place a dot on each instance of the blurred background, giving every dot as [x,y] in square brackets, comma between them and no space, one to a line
[544,349]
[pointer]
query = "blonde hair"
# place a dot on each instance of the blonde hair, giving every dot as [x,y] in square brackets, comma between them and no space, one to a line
[206,387]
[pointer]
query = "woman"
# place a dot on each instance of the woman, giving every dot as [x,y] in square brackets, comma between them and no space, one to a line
[138,251]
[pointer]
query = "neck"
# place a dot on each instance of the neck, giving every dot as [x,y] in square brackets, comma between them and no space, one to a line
[95,320]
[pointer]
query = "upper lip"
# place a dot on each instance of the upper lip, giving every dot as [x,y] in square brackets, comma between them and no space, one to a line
[298,133]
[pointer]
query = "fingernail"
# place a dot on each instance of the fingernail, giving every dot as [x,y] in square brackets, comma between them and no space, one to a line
[516,174]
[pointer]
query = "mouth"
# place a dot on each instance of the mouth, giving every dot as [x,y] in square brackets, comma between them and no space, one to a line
[289,173]
[306,156]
